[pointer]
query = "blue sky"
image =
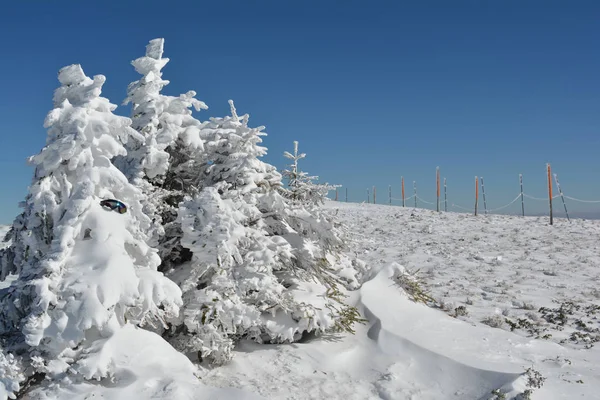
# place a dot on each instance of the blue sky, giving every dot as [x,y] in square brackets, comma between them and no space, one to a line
[372,90]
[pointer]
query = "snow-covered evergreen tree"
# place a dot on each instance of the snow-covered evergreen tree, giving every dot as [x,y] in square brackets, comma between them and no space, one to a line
[11,375]
[249,275]
[318,239]
[163,165]
[83,271]
[302,187]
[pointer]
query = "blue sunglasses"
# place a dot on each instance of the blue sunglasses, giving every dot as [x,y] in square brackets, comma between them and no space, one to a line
[114,205]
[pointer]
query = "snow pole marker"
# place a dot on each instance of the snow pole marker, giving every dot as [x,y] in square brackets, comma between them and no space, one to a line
[402,191]
[561,196]
[374,195]
[476,194]
[550,192]
[346,195]
[483,192]
[368,196]
[415,190]
[437,184]
[336,194]
[522,200]
[390,193]
[445,196]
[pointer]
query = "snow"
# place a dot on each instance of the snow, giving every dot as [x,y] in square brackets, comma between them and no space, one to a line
[491,265]
[410,351]
[145,367]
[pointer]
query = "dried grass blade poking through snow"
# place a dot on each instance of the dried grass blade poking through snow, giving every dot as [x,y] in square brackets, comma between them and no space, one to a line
[413,285]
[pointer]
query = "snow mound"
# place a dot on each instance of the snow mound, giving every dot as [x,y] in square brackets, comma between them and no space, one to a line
[145,367]
[452,359]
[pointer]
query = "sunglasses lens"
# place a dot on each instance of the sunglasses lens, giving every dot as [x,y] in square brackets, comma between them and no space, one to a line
[114,205]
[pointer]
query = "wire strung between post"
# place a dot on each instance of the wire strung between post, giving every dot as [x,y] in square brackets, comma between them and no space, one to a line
[509,204]
[406,198]
[534,198]
[426,202]
[494,209]
[582,201]
[461,208]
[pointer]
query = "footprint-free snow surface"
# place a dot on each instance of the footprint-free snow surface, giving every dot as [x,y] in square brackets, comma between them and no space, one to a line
[496,270]
[510,294]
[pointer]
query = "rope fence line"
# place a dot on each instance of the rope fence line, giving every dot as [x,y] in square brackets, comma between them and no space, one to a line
[461,208]
[406,198]
[582,201]
[426,202]
[540,198]
[493,209]
[503,207]
[442,198]
[506,206]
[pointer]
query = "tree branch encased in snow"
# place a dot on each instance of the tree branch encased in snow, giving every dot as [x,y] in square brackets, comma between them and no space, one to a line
[84,271]
[163,164]
[252,274]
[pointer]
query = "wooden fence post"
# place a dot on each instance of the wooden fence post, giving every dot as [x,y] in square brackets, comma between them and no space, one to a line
[403,192]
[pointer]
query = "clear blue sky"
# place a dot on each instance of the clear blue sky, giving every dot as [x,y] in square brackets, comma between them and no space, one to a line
[372,90]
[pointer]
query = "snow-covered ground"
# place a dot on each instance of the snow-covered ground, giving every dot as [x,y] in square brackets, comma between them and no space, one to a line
[510,294]
[490,268]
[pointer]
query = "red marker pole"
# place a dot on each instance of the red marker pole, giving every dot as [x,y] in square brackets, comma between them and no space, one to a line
[402,191]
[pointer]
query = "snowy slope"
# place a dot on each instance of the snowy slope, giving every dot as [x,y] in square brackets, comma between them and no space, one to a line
[490,265]
[498,268]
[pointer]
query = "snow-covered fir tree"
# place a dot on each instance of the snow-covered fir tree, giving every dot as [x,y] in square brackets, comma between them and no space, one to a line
[251,273]
[163,165]
[319,240]
[302,187]
[84,271]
